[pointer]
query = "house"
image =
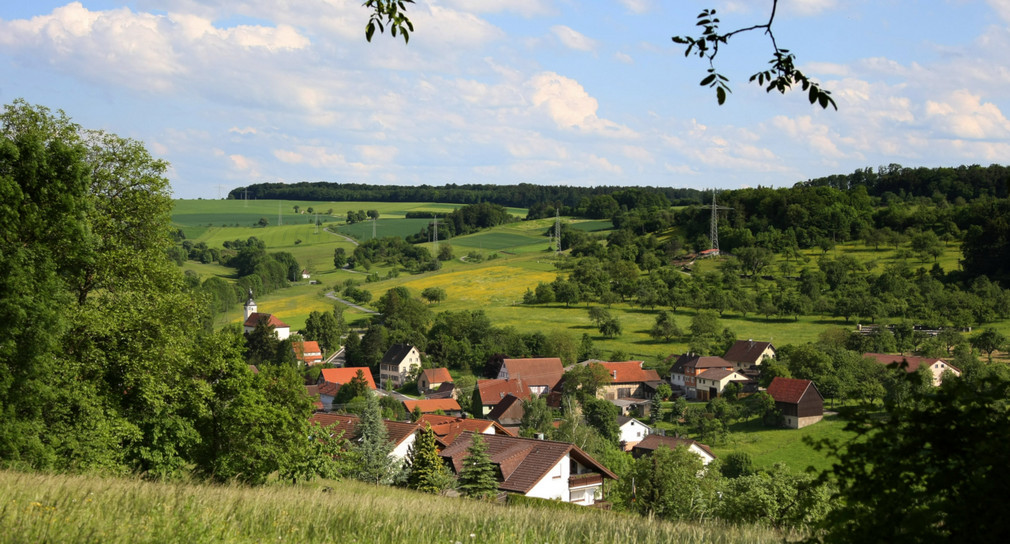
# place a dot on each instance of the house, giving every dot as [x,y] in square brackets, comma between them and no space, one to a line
[340,376]
[652,442]
[508,412]
[402,435]
[713,381]
[685,371]
[431,379]
[447,428]
[308,352]
[489,393]
[306,275]
[537,468]
[448,407]
[799,401]
[540,374]
[445,391]
[628,380]
[254,318]
[749,354]
[327,391]
[632,431]
[936,366]
[397,364]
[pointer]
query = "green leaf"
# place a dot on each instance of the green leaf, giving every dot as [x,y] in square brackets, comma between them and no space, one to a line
[720,93]
[708,80]
[814,94]
[369,31]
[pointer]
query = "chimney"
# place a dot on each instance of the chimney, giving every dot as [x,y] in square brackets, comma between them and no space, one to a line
[615,374]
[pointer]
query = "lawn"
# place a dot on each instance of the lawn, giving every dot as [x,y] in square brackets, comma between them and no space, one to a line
[768,446]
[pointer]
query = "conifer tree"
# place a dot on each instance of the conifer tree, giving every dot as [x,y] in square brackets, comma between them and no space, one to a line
[427,471]
[374,447]
[477,479]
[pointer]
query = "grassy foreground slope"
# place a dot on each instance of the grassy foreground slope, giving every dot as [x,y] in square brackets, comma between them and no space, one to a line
[57,508]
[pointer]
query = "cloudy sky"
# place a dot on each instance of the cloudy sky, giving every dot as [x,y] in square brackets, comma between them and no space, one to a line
[234,92]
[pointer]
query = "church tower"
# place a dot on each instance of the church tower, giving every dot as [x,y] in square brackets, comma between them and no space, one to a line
[250,306]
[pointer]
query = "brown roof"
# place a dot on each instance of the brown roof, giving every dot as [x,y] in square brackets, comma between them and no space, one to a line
[328,388]
[913,362]
[437,375]
[535,371]
[444,391]
[432,405]
[447,428]
[629,372]
[790,390]
[511,406]
[398,431]
[271,320]
[746,351]
[715,373]
[312,390]
[654,441]
[493,391]
[690,361]
[340,376]
[522,461]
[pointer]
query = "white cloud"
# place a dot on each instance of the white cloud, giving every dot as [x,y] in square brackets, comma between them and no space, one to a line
[570,106]
[526,8]
[624,58]
[964,115]
[1002,8]
[573,39]
[243,131]
[805,132]
[806,7]
[637,6]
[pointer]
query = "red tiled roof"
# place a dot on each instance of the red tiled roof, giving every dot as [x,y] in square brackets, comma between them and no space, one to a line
[535,371]
[447,428]
[522,461]
[789,390]
[746,351]
[432,405]
[493,391]
[397,431]
[437,375]
[629,372]
[913,362]
[271,320]
[340,376]
[715,373]
[653,441]
[328,388]
[307,351]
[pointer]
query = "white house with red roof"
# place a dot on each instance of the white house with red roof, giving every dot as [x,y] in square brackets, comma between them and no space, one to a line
[431,379]
[937,367]
[540,375]
[308,352]
[254,318]
[628,380]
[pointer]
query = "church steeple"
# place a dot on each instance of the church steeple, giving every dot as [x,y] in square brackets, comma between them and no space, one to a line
[250,305]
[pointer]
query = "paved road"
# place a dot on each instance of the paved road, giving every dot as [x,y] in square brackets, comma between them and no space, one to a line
[333,296]
[348,238]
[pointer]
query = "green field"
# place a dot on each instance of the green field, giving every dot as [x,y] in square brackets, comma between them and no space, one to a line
[770,446]
[78,509]
[383,227]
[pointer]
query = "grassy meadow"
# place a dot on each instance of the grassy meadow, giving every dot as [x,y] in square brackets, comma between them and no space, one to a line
[77,509]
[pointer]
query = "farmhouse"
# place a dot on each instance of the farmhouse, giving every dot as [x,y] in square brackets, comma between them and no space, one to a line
[398,363]
[749,354]
[937,367]
[508,412]
[628,380]
[537,468]
[654,441]
[799,401]
[431,379]
[541,375]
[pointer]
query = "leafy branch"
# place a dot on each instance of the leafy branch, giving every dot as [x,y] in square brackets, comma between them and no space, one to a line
[781,76]
[391,13]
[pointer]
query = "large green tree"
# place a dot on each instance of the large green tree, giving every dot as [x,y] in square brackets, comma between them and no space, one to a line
[477,478]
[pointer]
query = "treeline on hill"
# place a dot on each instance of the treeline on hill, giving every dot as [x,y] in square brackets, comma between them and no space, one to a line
[523,195]
[462,221]
[963,183]
[258,271]
[106,360]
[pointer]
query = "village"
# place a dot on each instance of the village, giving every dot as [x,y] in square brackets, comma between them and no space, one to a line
[525,461]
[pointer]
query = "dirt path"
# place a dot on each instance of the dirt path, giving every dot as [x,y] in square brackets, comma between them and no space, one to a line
[333,296]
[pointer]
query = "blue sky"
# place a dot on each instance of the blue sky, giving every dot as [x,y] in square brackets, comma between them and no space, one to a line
[234,92]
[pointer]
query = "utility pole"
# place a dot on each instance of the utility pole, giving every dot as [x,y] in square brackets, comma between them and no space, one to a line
[557,230]
[245,197]
[317,223]
[713,231]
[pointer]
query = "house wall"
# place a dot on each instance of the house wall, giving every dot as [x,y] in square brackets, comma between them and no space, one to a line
[794,422]
[811,405]
[554,484]
[705,457]
[401,449]
[622,391]
[283,332]
[398,373]
[633,432]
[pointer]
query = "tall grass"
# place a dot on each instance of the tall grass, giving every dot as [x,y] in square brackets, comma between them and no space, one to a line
[54,508]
